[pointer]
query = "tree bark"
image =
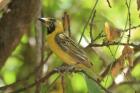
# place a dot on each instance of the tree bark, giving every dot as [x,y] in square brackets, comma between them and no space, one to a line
[3,3]
[14,23]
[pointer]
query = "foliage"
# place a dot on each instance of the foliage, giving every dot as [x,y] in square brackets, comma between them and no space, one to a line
[114,50]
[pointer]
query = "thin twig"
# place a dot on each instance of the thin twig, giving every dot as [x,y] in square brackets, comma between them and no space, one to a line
[88,21]
[63,83]
[112,44]
[109,3]
[125,30]
[129,19]
[133,27]
[91,26]
[99,36]
[53,83]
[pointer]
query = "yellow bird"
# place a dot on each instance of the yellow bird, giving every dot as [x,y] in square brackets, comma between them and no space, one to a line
[63,46]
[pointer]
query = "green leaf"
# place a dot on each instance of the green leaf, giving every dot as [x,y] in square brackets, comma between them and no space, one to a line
[78,83]
[68,86]
[43,88]
[93,87]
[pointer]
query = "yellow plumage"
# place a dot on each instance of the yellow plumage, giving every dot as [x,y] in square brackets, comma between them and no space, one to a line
[56,48]
[63,46]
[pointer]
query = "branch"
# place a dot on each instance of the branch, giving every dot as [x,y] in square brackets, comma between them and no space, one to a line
[91,25]
[133,27]
[40,49]
[109,3]
[113,43]
[129,19]
[14,24]
[58,70]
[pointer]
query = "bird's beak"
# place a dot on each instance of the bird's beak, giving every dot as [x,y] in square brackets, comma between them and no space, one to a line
[43,20]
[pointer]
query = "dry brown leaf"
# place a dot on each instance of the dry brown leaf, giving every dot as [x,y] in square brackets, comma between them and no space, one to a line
[65,21]
[116,69]
[138,4]
[111,33]
[128,54]
[117,66]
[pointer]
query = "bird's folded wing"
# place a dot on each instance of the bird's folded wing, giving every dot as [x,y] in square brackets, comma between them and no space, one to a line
[71,48]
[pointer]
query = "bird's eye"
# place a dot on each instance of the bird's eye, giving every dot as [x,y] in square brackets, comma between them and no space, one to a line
[51,25]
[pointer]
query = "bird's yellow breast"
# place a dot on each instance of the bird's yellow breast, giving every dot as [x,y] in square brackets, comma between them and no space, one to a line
[57,49]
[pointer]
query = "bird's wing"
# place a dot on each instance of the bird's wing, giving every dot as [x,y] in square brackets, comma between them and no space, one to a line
[70,47]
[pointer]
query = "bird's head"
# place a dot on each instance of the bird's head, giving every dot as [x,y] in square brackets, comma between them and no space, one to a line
[52,24]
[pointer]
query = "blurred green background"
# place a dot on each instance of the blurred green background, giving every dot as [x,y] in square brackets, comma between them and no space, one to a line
[21,61]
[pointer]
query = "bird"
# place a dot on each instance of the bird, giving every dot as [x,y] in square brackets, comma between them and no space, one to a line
[63,46]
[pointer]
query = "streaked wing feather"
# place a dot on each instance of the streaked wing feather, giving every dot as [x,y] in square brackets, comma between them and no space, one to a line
[69,46]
